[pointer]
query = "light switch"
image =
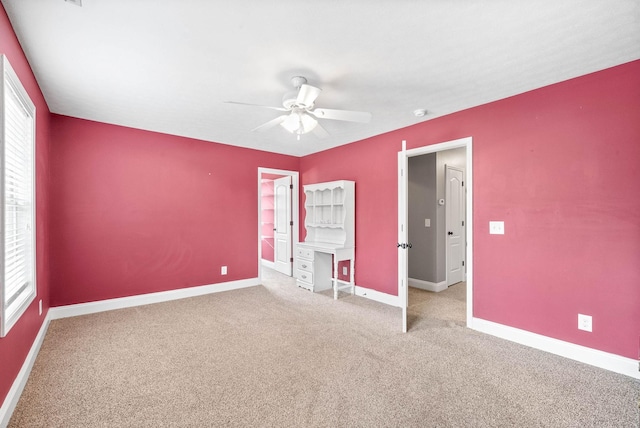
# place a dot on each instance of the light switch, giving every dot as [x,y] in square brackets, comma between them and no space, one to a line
[496,227]
[427,222]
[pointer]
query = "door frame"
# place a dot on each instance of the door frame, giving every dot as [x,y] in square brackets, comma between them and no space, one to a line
[403,200]
[295,208]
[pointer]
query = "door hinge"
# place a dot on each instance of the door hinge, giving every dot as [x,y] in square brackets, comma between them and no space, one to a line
[291,223]
[291,186]
[463,263]
[463,183]
[463,222]
[291,260]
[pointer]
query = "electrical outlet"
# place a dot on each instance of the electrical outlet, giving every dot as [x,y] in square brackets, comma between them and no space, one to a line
[223,270]
[40,307]
[344,270]
[496,227]
[427,222]
[584,322]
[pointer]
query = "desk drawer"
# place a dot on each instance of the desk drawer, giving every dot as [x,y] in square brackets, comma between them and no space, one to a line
[303,264]
[304,253]
[304,276]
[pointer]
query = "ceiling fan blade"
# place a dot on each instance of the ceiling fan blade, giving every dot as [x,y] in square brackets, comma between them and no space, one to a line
[307,95]
[273,122]
[320,132]
[347,115]
[257,105]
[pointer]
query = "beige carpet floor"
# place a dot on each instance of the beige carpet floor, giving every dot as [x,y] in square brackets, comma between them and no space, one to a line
[280,356]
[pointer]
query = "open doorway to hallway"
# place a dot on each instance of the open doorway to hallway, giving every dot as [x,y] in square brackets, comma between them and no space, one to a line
[436,197]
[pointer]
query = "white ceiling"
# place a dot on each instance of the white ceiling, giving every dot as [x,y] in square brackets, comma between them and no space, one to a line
[169,65]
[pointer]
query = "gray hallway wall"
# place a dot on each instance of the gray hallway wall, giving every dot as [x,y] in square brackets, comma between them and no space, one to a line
[422,205]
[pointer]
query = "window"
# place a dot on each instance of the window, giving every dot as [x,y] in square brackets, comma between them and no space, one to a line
[17,200]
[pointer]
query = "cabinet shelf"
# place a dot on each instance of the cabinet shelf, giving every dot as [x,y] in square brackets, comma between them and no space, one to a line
[327,225]
[330,212]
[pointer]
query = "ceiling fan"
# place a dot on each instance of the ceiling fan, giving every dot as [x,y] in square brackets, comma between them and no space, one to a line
[301,113]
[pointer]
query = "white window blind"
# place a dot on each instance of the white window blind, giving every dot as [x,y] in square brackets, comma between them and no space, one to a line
[18,199]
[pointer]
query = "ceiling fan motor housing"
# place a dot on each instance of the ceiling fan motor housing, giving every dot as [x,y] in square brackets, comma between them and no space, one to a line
[289,99]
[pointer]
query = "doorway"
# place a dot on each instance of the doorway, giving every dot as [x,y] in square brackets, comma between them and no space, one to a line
[434,216]
[277,219]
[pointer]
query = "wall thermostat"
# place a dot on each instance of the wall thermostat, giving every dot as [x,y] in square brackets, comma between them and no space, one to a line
[440,201]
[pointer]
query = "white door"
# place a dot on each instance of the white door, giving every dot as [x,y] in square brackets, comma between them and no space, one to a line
[282,225]
[454,220]
[403,274]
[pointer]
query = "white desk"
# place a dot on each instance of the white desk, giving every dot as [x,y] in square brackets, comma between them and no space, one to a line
[313,267]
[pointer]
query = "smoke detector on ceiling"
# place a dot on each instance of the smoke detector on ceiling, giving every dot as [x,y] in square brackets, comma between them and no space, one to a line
[420,112]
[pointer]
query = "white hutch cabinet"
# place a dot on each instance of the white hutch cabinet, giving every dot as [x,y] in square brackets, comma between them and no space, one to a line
[330,225]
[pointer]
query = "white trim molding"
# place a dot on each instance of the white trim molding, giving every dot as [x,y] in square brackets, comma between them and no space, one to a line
[377,296]
[593,357]
[268,263]
[11,400]
[147,299]
[427,285]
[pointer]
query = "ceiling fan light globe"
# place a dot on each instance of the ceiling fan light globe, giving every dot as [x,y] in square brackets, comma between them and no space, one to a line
[291,123]
[299,123]
[307,123]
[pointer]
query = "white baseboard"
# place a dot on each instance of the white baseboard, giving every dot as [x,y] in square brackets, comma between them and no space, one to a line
[604,360]
[11,400]
[594,357]
[146,299]
[378,296]
[268,263]
[427,285]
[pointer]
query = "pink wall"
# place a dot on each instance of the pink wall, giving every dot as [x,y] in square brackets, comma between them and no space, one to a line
[372,164]
[15,346]
[137,212]
[560,165]
[131,212]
